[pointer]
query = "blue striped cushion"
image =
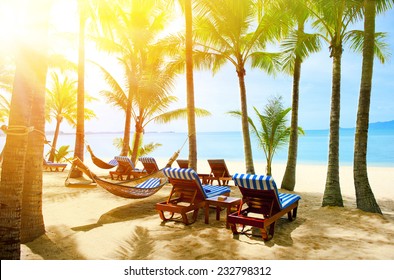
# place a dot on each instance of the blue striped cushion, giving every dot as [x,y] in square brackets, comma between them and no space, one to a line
[126,159]
[211,191]
[261,182]
[149,184]
[257,182]
[287,199]
[190,174]
[113,162]
[147,160]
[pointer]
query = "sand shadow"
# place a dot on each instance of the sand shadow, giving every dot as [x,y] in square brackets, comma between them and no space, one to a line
[136,209]
[139,246]
[52,248]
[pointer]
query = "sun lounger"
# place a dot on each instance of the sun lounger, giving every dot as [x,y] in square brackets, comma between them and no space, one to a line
[188,195]
[149,164]
[183,163]
[126,168]
[53,166]
[219,171]
[264,204]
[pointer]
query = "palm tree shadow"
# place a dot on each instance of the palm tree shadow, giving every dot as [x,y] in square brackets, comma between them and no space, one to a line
[128,212]
[138,247]
[49,248]
[282,234]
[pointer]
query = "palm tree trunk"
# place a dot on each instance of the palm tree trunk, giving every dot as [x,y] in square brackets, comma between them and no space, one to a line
[191,120]
[13,167]
[364,196]
[127,129]
[289,178]
[32,221]
[245,123]
[139,132]
[55,137]
[332,193]
[80,128]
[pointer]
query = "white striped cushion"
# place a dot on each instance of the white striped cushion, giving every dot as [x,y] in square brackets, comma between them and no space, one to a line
[190,174]
[262,182]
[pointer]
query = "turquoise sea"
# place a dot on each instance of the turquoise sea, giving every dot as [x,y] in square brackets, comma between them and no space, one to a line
[313,147]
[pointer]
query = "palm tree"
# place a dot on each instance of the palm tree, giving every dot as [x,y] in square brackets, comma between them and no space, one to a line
[191,123]
[296,48]
[80,125]
[272,132]
[29,87]
[226,32]
[62,104]
[332,19]
[365,198]
[152,102]
[95,10]
[135,26]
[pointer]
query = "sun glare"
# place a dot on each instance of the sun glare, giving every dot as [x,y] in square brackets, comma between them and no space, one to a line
[19,22]
[9,25]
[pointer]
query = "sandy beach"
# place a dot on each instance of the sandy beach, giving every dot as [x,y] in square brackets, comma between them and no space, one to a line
[92,224]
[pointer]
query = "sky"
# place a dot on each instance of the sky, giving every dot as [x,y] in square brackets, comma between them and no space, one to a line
[220,93]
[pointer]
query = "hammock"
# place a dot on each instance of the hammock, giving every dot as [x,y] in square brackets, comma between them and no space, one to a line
[76,183]
[100,163]
[137,188]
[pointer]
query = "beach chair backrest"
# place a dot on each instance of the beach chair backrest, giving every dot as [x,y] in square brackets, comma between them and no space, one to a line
[187,178]
[218,167]
[183,163]
[125,161]
[258,187]
[149,164]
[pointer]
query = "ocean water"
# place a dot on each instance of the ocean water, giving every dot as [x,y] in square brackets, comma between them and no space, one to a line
[312,148]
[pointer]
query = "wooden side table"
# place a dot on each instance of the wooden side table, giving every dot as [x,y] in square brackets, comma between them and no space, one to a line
[228,203]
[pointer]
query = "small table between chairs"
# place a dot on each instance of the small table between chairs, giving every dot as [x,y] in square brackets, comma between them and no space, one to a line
[227,202]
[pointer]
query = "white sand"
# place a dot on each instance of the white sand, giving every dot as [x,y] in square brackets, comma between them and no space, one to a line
[94,224]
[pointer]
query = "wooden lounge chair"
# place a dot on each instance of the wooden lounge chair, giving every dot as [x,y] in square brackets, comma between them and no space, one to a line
[187,196]
[264,204]
[125,168]
[183,163]
[53,166]
[149,164]
[219,171]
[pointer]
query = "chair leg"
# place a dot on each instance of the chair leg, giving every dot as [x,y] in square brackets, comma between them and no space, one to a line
[163,216]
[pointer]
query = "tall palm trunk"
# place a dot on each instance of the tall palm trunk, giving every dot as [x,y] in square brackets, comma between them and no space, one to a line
[289,178]
[364,196]
[332,193]
[13,167]
[139,132]
[32,221]
[245,123]
[191,119]
[80,128]
[29,82]
[55,137]
[127,124]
